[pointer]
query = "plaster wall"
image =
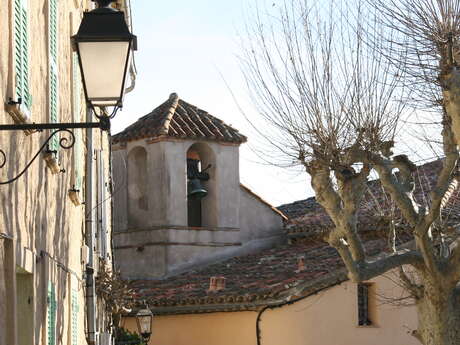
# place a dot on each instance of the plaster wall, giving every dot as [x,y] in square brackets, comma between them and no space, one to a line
[148,263]
[257,220]
[327,318]
[36,211]
[204,329]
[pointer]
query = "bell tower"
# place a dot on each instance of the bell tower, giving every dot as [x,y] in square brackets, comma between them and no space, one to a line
[176,174]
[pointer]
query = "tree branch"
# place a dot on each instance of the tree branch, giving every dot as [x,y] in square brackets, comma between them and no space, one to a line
[401,193]
[382,265]
[447,179]
[415,289]
[322,185]
[453,269]
[367,270]
[451,94]
[351,188]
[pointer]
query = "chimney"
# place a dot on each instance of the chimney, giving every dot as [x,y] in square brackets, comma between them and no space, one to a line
[301,264]
[216,283]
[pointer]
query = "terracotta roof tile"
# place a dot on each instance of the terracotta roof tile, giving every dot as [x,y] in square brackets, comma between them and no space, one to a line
[178,119]
[264,277]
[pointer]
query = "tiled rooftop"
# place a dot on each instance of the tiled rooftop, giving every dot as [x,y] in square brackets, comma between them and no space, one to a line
[178,119]
[251,280]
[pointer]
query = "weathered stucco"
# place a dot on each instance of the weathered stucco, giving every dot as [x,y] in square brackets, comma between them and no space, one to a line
[327,318]
[235,222]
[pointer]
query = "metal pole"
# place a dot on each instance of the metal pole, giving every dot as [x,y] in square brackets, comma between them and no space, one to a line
[103,124]
[89,231]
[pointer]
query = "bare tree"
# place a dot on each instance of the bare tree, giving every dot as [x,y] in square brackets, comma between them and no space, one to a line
[333,85]
[117,295]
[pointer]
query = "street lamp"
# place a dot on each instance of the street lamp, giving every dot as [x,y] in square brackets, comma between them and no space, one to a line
[103,44]
[144,318]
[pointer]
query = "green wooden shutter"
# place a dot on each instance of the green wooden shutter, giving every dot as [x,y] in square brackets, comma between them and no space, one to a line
[53,68]
[51,302]
[21,52]
[78,167]
[74,309]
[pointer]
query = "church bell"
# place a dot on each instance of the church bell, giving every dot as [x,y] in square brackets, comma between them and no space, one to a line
[195,190]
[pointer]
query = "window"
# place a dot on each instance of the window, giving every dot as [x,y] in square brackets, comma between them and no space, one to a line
[53,68]
[364,315]
[21,54]
[74,321]
[51,314]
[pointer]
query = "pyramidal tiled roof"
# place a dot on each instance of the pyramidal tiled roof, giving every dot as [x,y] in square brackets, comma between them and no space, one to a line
[181,120]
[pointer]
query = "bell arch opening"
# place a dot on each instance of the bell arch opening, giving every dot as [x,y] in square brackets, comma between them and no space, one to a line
[138,199]
[201,191]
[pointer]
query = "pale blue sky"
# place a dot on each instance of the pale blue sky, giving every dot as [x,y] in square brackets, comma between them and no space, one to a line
[188,47]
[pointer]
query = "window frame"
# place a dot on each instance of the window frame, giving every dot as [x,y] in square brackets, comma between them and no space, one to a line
[21,57]
[53,70]
[51,314]
[365,314]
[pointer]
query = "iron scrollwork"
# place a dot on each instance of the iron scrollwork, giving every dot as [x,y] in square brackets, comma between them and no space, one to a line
[66,142]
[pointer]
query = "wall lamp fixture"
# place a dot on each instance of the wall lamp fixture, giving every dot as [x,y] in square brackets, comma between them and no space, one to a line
[144,320]
[103,44]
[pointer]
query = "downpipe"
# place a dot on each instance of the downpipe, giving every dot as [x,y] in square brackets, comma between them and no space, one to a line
[273,306]
[90,293]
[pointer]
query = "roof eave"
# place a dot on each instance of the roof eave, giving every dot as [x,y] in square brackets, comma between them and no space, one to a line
[303,290]
[210,308]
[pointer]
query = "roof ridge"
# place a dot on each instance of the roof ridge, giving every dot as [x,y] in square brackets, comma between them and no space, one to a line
[178,119]
[174,99]
[273,208]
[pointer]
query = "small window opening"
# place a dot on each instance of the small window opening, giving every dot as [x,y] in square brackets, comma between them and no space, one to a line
[195,190]
[364,317]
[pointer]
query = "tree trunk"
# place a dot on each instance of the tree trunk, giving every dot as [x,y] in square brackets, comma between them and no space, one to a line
[452,101]
[439,318]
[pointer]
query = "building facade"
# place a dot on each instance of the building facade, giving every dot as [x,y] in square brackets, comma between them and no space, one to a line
[43,233]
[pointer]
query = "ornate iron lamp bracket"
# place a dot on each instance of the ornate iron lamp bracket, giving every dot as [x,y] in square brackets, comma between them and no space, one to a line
[65,142]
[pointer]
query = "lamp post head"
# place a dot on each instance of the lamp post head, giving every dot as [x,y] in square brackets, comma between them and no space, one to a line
[104,44]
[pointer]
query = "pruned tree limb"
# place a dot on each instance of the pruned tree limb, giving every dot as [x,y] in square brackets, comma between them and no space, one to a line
[400,192]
